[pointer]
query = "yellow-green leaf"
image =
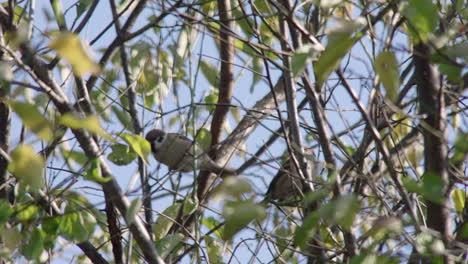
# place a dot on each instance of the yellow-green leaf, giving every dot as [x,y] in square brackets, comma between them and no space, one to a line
[90,123]
[138,144]
[303,57]
[94,173]
[331,57]
[69,47]
[459,200]
[386,66]
[33,119]
[204,139]
[27,166]
[238,214]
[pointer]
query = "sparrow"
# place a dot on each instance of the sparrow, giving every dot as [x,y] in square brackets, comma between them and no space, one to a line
[287,183]
[179,153]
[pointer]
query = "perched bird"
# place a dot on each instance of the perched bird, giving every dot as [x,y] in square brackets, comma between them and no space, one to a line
[287,183]
[179,153]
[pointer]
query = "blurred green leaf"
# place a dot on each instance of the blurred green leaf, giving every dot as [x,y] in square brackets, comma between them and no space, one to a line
[90,123]
[211,223]
[306,230]
[33,248]
[302,57]
[165,220]
[211,100]
[82,6]
[461,147]
[331,57]
[133,209]
[58,12]
[204,139]
[386,66]
[371,258]
[14,238]
[234,187]
[93,173]
[122,116]
[121,155]
[210,72]
[5,212]
[76,226]
[422,17]
[77,156]
[51,225]
[238,214]
[433,187]
[70,47]
[215,250]
[341,211]
[27,212]
[169,243]
[137,144]
[27,167]
[190,205]
[33,119]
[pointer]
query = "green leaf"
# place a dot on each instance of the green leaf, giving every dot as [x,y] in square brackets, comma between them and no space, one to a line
[459,200]
[210,72]
[27,212]
[33,248]
[138,144]
[82,6]
[5,212]
[302,57]
[123,117]
[331,57]
[386,66]
[51,225]
[211,100]
[90,123]
[70,47]
[215,249]
[132,211]
[73,227]
[204,139]
[461,147]
[371,258]
[190,205]
[58,12]
[234,187]
[27,167]
[422,17]
[165,221]
[341,211]
[433,187]
[121,155]
[14,238]
[238,214]
[77,156]
[307,230]
[212,223]
[33,119]
[169,244]
[93,173]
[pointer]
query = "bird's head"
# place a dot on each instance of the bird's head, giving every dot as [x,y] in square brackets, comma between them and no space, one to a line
[156,138]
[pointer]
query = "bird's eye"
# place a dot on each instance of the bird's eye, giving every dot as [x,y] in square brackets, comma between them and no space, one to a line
[159,139]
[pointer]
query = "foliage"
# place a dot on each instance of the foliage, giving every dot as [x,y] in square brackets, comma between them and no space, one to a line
[377,90]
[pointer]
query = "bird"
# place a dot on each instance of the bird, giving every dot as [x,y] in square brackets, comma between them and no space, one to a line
[179,153]
[287,183]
